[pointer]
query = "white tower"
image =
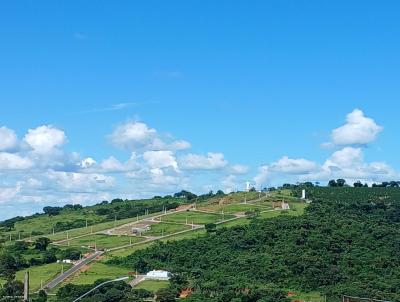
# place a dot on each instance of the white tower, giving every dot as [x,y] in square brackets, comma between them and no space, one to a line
[303,194]
[248,186]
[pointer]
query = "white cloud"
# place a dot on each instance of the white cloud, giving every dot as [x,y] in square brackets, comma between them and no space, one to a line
[80,182]
[263,176]
[160,159]
[179,145]
[359,130]
[293,166]
[45,139]
[345,158]
[112,164]
[87,162]
[9,161]
[132,135]
[230,184]
[139,136]
[212,161]
[8,193]
[8,139]
[159,177]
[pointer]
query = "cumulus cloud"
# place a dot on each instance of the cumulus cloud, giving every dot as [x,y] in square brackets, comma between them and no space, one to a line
[10,161]
[138,136]
[8,139]
[131,135]
[8,193]
[293,166]
[179,145]
[263,176]
[345,158]
[212,161]
[45,139]
[358,130]
[80,182]
[230,183]
[112,164]
[87,162]
[160,159]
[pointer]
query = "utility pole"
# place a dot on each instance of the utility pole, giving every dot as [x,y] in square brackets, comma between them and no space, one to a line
[26,287]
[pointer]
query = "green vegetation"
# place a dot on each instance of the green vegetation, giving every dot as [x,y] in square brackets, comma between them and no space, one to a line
[236,208]
[196,217]
[346,242]
[102,241]
[163,228]
[97,271]
[112,292]
[41,273]
[75,218]
[152,285]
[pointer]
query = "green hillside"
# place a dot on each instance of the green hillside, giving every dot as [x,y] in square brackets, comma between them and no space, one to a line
[347,242]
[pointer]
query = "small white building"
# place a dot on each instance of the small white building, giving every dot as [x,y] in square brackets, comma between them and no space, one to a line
[158,275]
[285,206]
[68,261]
[140,230]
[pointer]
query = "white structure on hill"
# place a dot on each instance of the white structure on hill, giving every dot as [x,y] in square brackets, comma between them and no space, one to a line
[303,194]
[158,275]
[285,206]
[248,186]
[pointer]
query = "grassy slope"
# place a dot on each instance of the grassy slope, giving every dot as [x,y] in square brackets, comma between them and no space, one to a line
[152,285]
[196,217]
[166,229]
[102,241]
[101,270]
[41,273]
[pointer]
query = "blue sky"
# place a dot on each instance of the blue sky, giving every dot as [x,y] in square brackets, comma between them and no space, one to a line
[204,94]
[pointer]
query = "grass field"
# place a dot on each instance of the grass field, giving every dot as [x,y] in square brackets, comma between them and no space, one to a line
[102,241]
[95,228]
[44,224]
[152,285]
[195,217]
[99,270]
[162,228]
[235,208]
[41,273]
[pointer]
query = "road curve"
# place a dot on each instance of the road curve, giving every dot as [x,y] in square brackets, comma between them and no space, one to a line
[53,283]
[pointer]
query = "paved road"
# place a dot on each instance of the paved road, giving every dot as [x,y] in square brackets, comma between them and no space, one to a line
[53,283]
[137,280]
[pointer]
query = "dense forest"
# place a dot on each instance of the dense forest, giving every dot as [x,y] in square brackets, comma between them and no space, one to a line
[347,242]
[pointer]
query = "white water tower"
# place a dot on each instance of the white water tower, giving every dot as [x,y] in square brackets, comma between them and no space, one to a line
[303,194]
